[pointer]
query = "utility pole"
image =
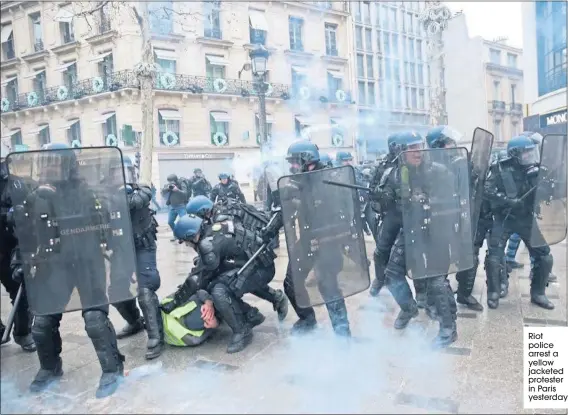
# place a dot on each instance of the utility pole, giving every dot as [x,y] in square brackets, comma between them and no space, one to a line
[434,19]
[145,71]
[260,87]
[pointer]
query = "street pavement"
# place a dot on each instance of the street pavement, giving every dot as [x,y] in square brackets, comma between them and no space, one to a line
[381,370]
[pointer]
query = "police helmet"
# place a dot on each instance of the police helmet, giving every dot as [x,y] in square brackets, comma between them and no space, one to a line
[187,227]
[406,140]
[57,165]
[302,153]
[224,176]
[523,150]
[443,136]
[391,143]
[535,137]
[343,156]
[199,206]
[326,159]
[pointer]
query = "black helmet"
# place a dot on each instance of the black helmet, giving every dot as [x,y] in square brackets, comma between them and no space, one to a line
[524,150]
[302,153]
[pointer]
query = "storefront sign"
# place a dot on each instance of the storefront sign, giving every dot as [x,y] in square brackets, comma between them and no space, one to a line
[195,156]
[553,118]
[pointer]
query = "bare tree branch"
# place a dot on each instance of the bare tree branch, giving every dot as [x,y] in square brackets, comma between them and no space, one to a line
[93,10]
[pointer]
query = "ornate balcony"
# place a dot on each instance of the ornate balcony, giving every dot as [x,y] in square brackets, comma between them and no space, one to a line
[516,108]
[504,69]
[496,106]
[189,84]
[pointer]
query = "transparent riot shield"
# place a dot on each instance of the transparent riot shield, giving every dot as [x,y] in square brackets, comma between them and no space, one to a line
[73,228]
[480,158]
[324,236]
[550,223]
[435,203]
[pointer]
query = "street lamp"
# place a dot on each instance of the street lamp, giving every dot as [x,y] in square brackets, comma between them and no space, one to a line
[259,58]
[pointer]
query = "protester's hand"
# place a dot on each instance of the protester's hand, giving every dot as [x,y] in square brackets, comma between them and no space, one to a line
[207,310]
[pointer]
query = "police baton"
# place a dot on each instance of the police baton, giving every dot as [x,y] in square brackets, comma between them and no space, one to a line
[12,314]
[349,186]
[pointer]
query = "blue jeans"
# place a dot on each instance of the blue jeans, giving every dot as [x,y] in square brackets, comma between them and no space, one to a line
[174,212]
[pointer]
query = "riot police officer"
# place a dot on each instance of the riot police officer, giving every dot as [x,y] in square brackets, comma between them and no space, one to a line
[198,184]
[227,188]
[508,182]
[8,242]
[325,159]
[227,247]
[144,228]
[251,219]
[343,158]
[303,156]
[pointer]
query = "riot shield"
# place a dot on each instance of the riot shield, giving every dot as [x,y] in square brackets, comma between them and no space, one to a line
[324,236]
[549,225]
[435,203]
[480,157]
[73,228]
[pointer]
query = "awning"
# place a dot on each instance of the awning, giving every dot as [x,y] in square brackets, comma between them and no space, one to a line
[38,130]
[69,124]
[170,115]
[336,75]
[104,118]
[63,68]
[166,54]
[300,69]
[258,20]
[34,74]
[11,133]
[303,120]
[6,32]
[64,15]
[269,118]
[221,116]
[216,60]
[8,80]
[100,58]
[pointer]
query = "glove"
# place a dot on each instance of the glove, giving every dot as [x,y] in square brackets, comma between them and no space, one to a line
[514,203]
[18,275]
[169,306]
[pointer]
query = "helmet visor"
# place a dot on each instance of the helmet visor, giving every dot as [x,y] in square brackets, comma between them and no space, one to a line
[130,174]
[529,156]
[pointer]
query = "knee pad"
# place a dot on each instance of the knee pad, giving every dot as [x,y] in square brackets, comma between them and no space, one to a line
[96,323]
[45,324]
[220,292]
[545,261]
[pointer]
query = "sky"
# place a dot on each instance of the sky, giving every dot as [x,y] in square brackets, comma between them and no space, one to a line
[492,19]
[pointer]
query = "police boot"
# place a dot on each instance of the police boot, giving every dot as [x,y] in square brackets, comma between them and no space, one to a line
[131,314]
[552,277]
[338,316]
[504,283]
[102,334]
[150,306]
[232,313]
[379,280]
[541,270]
[466,281]
[421,294]
[45,332]
[252,314]
[405,315]
[280,304]
[446,307]
[23,329]
[493,270]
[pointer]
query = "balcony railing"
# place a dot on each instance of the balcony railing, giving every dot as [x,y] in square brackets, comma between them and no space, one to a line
[213,33]
[38,45]
[497,105]
[516,108]
[9,52]
[68,38]
[167,82]
[502,68]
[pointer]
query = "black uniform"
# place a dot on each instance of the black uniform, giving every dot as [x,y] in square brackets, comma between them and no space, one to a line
[144,228]
[231,190]
[506,183]
[80,265]
[8,242]
[199,186]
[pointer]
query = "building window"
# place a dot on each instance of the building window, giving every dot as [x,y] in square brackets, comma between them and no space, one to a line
[419,50]
[371,92]
[65,18]
[360,66]
[334,82]
[166,65]
[398,96]
[359,38]
[37,36]
[336,128]
[380,67]
[497,90]
[370,72]
[414,98]
[368,40]
[421,99]
[161,17]
[497,130]
[394,44]
[212,19]
[219,127]
[70,76]
[412,67]
[295,26]
[73,132]
[512,60]
[214,67]
[8,42]
[299,79]
[258,27]
[39,84]
[551,46]
[396,70]
[386,44]
[12,90]
[388,69]
[421,74]
[269,121]
[357,6]
[16,139]
[513,95]
[515,129]
[331,39]
[106,68]
[495,56]
[169,126]
[43,135]
[366,12]
[109,126]
[362,93]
